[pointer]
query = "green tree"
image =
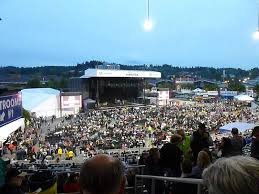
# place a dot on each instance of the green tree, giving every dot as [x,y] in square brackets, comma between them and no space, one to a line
[34,83]
[63,83]
[236,86]
[256,89]
[26,115]
[166,84]
[210,87]
[188,86]
[53,84]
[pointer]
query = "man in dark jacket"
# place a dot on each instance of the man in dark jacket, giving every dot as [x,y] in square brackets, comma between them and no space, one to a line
[200,139]
[171,156]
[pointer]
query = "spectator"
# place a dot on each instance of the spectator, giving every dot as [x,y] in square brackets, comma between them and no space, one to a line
[203,161]
[200,139]
[255,143]
[102,174]
[13,182]
[237,143]
[171,156]
[183,188]
[72,185]
[185,144]
[225,147]
[233,175]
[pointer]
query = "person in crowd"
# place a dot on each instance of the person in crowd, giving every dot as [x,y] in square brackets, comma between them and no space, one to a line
[183,188]
[153,166]
[237,143]
[233,175]
[203,161]
[255,143]
[13,182]
[171,156]
[200,139]
[225,147]
[185,144]
[102,174]
[2,171]
[72,185]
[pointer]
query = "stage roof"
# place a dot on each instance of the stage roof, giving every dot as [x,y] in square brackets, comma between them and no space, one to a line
[90,73]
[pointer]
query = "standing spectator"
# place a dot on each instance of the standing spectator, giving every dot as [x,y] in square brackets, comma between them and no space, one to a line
[233,175]
[255,143]
[171,156]
[200,139]
[185,144]
[203,161]
[237,143]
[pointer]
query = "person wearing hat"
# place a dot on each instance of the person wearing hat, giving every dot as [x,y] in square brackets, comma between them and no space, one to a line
[13,182]
[171,156]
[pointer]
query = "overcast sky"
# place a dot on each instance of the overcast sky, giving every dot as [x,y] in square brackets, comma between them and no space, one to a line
[214,33]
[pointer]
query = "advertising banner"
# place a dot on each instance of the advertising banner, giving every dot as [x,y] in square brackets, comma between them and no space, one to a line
[71,101]
[10,108]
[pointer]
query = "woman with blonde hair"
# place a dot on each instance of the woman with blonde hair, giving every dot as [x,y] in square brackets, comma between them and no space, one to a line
[203,161]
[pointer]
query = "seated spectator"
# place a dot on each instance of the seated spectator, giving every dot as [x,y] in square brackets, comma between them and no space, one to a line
[102,174]
[72,185]
[183,188]
[203,161]
[233,175]
[13,182]
[255,143]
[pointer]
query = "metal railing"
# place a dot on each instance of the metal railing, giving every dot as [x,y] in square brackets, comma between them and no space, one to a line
[198,182]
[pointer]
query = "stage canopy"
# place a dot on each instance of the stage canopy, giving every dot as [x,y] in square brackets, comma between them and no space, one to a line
[90,73]
[242,127]
[244,98]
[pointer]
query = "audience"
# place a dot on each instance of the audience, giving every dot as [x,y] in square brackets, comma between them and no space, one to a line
[234,175]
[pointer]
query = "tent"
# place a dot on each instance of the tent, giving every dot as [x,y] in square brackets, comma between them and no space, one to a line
[242,127]
[198,90]
[41,101]
[244,98]
[9,128]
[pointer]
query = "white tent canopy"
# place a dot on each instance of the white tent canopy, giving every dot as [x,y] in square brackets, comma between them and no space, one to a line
[42,101]
[244,98]
[7,129]
[242,127]
[197,90]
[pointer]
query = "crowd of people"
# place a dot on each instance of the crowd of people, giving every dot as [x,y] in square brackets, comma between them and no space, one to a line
[184,141]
